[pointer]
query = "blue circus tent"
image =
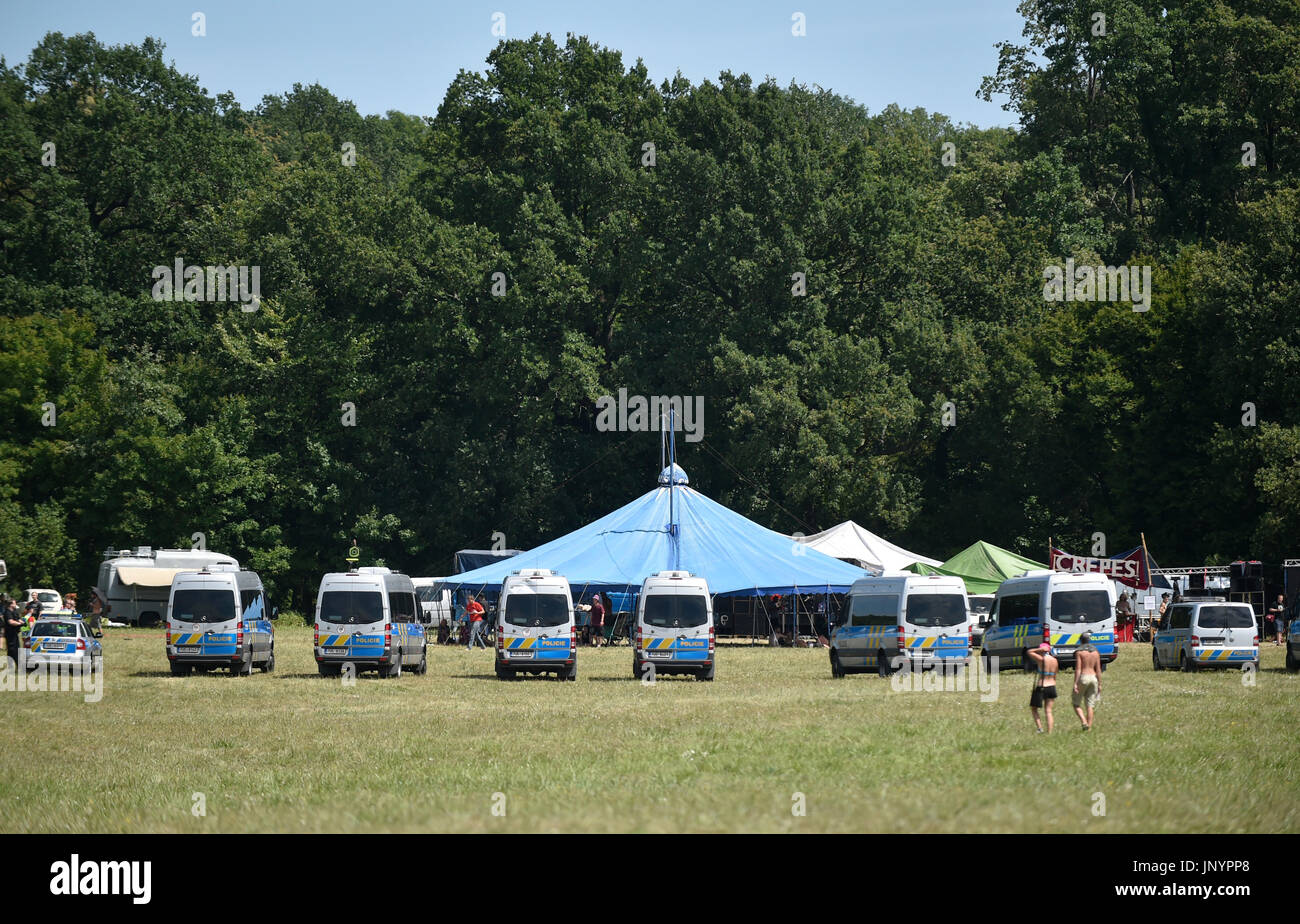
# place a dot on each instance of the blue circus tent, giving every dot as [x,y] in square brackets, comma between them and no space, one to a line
[674,527]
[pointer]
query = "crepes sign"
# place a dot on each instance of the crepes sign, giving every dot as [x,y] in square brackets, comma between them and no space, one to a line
[1129,569]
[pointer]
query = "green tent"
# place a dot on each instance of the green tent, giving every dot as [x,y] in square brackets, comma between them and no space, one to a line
[982,566]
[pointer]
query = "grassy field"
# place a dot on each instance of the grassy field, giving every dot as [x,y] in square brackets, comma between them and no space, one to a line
[291,751]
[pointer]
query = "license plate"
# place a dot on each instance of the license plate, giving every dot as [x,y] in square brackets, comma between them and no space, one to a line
[187,649]
[1212,641]
[659,654]
[520,654]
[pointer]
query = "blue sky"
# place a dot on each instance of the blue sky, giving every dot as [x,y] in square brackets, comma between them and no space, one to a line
[402,55]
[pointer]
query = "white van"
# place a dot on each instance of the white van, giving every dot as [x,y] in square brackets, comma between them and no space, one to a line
[536,631]
[135,585]
[674,627]
[50,600]
[369,618]
[435,600]
[1207,633]
[924,619]
[219,618]
[1056,607]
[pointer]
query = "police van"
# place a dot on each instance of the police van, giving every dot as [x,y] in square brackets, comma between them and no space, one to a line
[1056,607]
[1293,643]
[369,618]
[901,620]
[219,618]
[1206,633]
[536,631]
[674,627]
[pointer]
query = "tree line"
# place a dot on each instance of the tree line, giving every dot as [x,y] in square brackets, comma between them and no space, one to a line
[857,298]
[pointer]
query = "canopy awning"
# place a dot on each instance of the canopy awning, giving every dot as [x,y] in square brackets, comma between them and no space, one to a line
[139,576]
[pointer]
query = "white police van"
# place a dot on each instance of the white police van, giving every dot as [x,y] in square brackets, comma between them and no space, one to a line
[1206,633]
[219,618]
[1056,607]
[369,618]
[536,631]
[674,627]
[901,620]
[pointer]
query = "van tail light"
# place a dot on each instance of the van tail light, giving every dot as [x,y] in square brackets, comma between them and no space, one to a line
[1196,640]
[316,635]
[640,637]
[573,636]
[1047,634]
[902,639]
[239,634]
[501,636]
[711,640]
[388,635]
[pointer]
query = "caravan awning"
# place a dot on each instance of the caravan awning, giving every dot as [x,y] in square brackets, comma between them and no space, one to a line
[147,577]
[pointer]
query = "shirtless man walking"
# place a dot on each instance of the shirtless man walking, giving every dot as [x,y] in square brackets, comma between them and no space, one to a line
[1087,680]
[1044,693]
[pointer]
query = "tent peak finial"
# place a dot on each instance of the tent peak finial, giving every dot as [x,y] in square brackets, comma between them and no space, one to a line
[673,474]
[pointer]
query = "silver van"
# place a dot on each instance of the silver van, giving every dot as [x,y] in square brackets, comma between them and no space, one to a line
[1056,607]
[369,618]
[219,619]
[898,620]
[674,627]
[536,631]
[1206,633]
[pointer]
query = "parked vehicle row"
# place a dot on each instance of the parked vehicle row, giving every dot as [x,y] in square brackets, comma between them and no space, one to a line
[371,619]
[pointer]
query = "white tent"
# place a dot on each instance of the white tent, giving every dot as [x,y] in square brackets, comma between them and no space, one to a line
[850,542]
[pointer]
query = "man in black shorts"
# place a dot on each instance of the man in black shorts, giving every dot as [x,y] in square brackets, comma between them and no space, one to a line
[1044,692]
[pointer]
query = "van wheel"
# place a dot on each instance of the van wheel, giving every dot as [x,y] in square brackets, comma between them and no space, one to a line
[1292,664]
[328,670]
[1185,664]
[572,673]
[395,670]
[241,670]
[424,661]
[1155,659]
[708,673]
[837,669]
[882,664]
[505,673]
[270,662]
[181,670]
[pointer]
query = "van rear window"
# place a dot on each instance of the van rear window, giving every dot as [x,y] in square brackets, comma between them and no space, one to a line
[936,610]
[205,606]
[1226,617]
[351,607]
[536,611]
[1074,607]
[675,611]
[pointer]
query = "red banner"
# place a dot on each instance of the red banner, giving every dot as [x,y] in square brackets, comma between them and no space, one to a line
[1129,569]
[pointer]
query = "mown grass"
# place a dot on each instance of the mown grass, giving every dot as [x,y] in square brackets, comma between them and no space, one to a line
[291,751]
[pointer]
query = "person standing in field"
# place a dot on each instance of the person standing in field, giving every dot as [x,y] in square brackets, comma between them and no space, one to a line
[1044,692]
[597,619]
[1087,680]
[474,610]
[1277,615]
[13,623]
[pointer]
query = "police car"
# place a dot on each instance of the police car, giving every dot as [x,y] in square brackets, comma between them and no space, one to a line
[62,638]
